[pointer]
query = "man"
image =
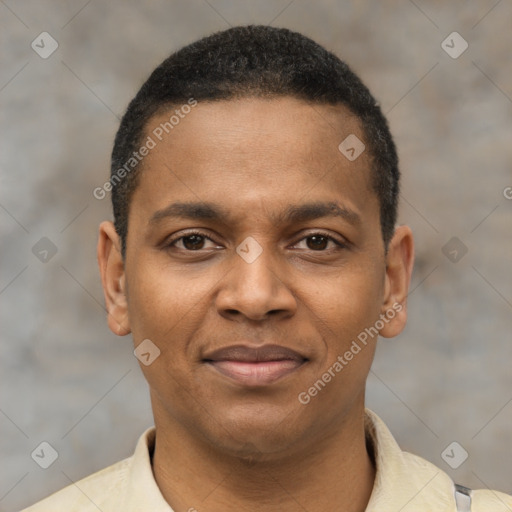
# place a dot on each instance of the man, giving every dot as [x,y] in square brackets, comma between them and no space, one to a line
[255,259]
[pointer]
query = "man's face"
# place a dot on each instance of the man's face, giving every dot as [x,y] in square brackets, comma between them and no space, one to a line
[267,271]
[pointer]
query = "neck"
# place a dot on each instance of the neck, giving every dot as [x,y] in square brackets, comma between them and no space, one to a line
[334,473]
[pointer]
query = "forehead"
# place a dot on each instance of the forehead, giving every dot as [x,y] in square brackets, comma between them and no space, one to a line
[283,126]
[254,152]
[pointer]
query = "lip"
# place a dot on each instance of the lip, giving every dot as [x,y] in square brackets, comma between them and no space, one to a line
[255,366]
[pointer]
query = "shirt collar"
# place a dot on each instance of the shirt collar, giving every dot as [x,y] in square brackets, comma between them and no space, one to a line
[403,482]
[142,491]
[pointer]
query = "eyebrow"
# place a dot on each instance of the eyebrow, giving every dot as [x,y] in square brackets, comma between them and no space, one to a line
[292,214]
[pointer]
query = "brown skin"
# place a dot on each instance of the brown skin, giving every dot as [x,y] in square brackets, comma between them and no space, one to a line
[221,445]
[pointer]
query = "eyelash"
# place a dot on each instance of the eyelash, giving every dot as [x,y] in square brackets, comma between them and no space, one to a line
[339,245]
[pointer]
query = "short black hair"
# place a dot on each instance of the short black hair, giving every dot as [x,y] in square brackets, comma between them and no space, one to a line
[262,61]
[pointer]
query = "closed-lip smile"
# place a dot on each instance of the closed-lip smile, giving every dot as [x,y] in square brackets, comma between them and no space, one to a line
[255,366]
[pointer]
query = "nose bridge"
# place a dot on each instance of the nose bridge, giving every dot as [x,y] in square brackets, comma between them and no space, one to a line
[256,264]
[254,287]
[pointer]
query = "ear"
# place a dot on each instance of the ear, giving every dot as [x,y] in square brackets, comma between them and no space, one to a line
[113,279]
[399,264]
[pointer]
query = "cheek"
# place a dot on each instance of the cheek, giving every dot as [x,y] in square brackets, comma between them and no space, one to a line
[156,302]
[163,307]
[345,317]
[346,311]
[350,303]
[167,305]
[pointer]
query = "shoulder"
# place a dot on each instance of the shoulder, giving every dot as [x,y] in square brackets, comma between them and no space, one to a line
[410,482]
[126,485]
[485,500]
[93,492]
[482,500]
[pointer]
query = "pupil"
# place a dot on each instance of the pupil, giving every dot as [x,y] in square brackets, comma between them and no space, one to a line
[197,241]
[319,242]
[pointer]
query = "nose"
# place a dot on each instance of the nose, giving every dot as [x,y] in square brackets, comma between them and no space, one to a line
[255,288]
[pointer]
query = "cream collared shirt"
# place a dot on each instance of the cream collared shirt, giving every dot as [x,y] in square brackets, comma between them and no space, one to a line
[403,483]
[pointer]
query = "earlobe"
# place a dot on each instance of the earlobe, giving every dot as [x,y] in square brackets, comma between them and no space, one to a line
[399,265]
[113,279]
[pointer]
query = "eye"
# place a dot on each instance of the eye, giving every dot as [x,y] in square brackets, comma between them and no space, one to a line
[320,241]
[192,241]
[195,241]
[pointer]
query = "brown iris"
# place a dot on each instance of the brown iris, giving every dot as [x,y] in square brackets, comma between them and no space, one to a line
[319,242]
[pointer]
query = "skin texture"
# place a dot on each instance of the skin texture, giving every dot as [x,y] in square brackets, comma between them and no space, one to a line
[222,445]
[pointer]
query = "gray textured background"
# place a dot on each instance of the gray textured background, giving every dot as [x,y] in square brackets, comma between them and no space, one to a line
[67,380]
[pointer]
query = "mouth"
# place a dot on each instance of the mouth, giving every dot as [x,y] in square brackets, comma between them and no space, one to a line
[255,366]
